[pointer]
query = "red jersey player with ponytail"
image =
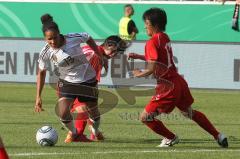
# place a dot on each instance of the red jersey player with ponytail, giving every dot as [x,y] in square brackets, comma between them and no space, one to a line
[171,90]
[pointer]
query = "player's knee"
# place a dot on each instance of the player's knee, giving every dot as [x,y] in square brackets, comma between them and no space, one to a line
[65,120]
[62,107]
[146,117]
[65,116]
[188,113]
[142,118]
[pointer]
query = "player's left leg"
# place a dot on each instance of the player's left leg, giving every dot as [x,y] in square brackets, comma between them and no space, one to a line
[3,153]
[204,123]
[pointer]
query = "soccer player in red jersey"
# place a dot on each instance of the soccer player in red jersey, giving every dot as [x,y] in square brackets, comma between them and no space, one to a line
[171,90]
[3,153]
[112,46]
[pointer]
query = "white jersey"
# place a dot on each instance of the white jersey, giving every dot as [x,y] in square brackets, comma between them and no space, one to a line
[69,59]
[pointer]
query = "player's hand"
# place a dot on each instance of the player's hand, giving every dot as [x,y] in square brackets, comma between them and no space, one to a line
[38,105]
[136,72]
[131,56]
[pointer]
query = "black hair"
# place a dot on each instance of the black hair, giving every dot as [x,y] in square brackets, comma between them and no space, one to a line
[157,17]
[117,41]
[128,5]
[48,23]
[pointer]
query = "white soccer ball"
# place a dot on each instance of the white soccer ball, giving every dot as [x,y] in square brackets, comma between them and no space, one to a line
[47,136]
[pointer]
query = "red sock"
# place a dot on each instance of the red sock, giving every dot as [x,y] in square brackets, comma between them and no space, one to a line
[81,122]
[3,153]
[158,127]
[80,126]
[203,121]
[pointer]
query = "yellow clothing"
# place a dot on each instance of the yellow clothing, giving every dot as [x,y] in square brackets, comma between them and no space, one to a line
[123,28]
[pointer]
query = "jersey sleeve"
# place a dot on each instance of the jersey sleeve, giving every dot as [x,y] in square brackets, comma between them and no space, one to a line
[82,37]
[43,58]
[151,52]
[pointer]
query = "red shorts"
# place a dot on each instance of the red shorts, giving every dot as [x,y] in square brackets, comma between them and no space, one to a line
[170,93]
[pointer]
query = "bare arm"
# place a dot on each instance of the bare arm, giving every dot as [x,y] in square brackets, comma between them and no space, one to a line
[136,56]
[94,47]
[40,84]
[147,71]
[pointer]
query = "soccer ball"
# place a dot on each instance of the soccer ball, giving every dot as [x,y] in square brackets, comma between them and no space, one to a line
[47,136]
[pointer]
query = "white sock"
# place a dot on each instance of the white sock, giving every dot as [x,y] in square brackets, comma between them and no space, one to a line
[95,125]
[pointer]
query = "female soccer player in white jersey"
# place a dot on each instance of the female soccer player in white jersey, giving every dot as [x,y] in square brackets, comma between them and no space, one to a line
[77,78]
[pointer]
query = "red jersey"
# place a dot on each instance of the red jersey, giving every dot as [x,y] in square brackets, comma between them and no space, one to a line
[94,60]
[158,49]
[174,90]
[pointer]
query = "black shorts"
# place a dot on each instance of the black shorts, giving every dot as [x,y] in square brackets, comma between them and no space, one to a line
[85,91]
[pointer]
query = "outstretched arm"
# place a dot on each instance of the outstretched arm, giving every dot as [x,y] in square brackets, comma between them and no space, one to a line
[94,47]
[147,71]
[40,84]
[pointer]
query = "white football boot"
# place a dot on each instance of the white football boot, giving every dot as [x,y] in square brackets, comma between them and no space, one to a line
[222,140]
[168,142]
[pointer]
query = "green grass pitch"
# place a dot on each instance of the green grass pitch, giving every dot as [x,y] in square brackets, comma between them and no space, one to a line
[126,137]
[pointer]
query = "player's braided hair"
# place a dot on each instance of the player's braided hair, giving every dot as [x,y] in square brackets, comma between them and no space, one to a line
[48,23]
[157,17]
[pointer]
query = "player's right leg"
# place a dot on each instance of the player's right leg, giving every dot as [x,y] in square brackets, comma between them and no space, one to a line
[63,111]
[66,118]
[66,97]
[3,153]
